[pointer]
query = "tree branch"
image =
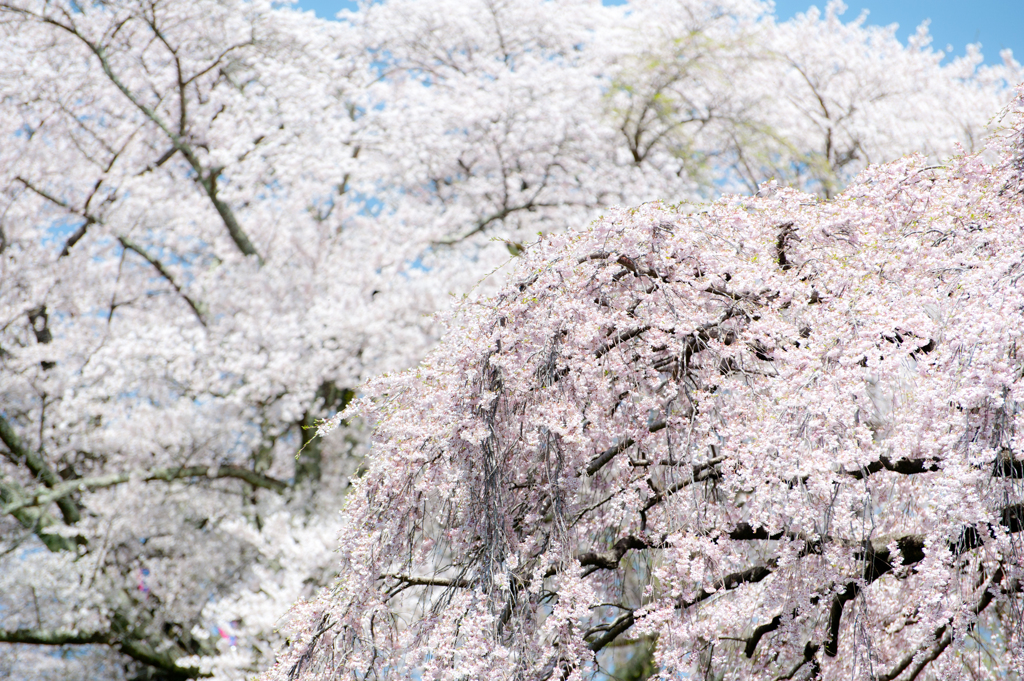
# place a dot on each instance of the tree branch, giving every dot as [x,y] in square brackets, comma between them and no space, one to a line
[54,637]
[621,624]
[945,636]
[759,632]
[609,560]
[810,650]
[599,461]
[621,337]
[124,241]
[167,474]
[207,177]
[34,520]
[732,581]
[130,245]
[76,237]
[137,650]
[412,580]
[903,467]
[701,472]
[18,454]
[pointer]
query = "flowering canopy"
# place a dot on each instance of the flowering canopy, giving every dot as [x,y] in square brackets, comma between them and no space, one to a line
[219,217]
[772,437]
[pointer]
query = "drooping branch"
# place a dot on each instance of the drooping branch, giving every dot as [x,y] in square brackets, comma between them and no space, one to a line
[759,633]
[627,619]
[76,237]
[944,634]
[787,233]
[701,472]
[618,338]
[599,461]
[730,582]
[879,562]
[1007,467]
[810,650]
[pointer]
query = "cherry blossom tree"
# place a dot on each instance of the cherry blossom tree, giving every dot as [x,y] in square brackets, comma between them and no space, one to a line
[770,437]
[219,217]
[657,99]
[173,177]
[809,102]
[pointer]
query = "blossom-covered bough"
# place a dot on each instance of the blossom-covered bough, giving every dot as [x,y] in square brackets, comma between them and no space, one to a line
[769,437]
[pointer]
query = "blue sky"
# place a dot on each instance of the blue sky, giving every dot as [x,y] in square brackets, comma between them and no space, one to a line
[996,24]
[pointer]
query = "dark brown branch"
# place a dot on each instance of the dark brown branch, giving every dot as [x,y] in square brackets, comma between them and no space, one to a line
[902,466]
[747,532]
[786,234]
[632,267]
[609,560]
[835,616]
[165,157]
[810,650]
[1007,467]
[621,624]
[719,291]
[76,237]
[701,472]
[412,580]
[759,632]
[89,220]
[618,338]
[43,193]
[599,461]
[1012,518]
[877,563]
[600,255]
[732,581]
[80,232]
